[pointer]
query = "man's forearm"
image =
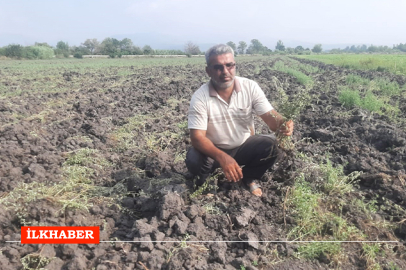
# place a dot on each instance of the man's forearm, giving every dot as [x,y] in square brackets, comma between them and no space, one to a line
[205,146]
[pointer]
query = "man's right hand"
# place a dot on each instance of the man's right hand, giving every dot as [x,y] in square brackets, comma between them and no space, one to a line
[231,169]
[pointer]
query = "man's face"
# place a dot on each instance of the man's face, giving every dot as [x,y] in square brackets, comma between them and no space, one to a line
[221,70]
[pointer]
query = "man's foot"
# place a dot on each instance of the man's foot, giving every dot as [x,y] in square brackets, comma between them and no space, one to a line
[255,189]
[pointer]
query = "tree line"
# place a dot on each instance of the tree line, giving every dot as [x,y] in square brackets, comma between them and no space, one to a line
[116,48]
[256,47]
[109,46]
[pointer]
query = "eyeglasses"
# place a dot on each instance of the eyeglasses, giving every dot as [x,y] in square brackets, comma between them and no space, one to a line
[229,66]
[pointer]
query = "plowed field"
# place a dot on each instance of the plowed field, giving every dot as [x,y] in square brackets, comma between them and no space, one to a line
[105,146]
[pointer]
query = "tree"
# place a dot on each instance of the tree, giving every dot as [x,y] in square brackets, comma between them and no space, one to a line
[147,50]
[279,46]
[14,50]
[256,47]
[299,49]
[232,45]
[63,46]
[192,49]
[91,44]
[317,48]
[42,44]
[111,46]
[241,47]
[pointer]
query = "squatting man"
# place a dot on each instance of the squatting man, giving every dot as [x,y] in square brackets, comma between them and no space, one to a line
[221,125]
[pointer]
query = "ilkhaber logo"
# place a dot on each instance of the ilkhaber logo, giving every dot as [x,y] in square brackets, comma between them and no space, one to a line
[59,235]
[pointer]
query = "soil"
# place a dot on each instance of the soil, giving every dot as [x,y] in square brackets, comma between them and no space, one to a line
[156,203]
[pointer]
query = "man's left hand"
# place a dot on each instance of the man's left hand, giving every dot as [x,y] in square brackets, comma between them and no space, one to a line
[287,128]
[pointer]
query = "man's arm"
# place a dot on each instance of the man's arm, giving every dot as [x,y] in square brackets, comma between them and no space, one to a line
[231,169]
[277,123]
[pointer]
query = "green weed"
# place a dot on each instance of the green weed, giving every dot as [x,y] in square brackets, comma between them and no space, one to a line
[316,249]
[370,252]
[34,261]
[356,80]
[349,98]
[300,76]
[388,88]
[335,182]
[372,103]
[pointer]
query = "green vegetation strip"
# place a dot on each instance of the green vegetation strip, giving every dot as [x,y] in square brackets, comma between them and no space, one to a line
[300,76]
[379,95]
[394,63]
[310,202]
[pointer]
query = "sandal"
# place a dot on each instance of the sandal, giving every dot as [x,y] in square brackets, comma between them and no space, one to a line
[255,189]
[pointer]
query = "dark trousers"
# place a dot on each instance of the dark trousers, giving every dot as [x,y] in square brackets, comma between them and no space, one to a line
[258,154]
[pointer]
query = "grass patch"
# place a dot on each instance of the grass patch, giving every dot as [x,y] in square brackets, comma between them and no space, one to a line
[300,76]
[336,182]
[356,80]
[349,98]
[74,191]
[314,204]
[393,63]
[387,87]
[372,103]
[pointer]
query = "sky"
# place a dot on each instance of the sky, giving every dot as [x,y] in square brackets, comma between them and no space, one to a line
[172,23]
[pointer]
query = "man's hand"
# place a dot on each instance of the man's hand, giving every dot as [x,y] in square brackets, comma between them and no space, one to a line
[231,169]
[277,123]
[286,128]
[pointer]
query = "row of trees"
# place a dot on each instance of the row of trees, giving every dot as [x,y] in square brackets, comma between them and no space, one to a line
[115,48]
[256,47]
[371,49]
[109,46]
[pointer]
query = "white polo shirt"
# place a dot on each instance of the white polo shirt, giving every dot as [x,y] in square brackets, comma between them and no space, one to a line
[227,125]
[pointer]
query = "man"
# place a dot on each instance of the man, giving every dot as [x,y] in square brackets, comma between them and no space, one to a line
[221,125]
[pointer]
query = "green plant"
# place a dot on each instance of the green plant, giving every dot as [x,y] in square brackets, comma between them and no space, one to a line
[352,79]
[371,103]
[316,249]
[388,88]
[349,98]
[300,76]
[34,261]
[290,108]
[212,209]
[335,182]
[369,252]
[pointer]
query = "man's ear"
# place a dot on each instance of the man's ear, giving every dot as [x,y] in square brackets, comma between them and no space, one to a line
[207,70]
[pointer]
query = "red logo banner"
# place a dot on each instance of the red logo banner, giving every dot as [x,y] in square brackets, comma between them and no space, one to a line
[59,235]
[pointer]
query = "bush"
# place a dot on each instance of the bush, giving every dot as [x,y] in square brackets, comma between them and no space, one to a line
[349,98]
[389,88]
[38,52]
[371,103]
[78,55]
[14,51]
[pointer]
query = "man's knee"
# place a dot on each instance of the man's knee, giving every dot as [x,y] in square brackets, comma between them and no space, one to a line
[197,163]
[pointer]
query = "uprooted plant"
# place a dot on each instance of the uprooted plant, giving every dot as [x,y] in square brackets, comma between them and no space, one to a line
[290,108]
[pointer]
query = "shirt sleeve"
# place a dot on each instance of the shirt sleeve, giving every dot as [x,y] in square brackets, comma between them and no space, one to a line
[260,103]
[197,116]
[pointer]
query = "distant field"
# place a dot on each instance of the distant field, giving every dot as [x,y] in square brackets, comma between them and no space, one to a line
[392,63]
[41,76]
